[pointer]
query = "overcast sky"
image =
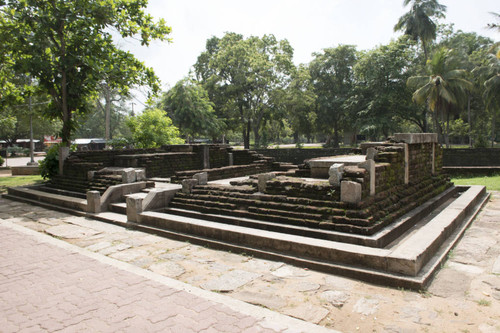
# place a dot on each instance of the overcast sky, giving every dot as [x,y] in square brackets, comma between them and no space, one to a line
[309,26]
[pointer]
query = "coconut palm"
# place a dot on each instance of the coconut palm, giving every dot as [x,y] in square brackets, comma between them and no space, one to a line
[488,75]
[444,89]
[418,23]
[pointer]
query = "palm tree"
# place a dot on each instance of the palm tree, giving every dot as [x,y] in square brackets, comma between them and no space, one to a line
[488,75]
[418,23]
[444,89]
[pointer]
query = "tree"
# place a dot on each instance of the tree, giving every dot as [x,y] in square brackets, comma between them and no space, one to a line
[444,88]
[299,103]
[381,89]
[153,129]
[241,75]
[68,47]
[106,118]
[495,26]
[333,80]
[191,111]
[418,23]
[488,74]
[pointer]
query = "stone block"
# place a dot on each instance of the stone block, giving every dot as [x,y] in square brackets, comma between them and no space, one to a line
[412,138]
[263,179]
[335,174]
[93,202]
[369,165]
[128,176]
[90,175]
[202,178]
[371,153]
[231,159]
[140,175]
[134,207]
[188,184]
[350,191]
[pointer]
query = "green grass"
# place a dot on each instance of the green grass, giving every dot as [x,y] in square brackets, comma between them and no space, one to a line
[492,183]
[18,181]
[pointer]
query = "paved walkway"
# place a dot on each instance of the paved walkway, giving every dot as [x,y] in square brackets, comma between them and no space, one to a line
[59,271]
[49,285]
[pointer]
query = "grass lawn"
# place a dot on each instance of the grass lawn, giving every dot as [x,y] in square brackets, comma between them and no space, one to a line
[492,183]
[18,181]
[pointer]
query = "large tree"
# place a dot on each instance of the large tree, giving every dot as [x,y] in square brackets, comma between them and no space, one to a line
[241,76]
[67,46]
[188,105]
[381,88]
[333,81]
[488,75]
[445,88]
[418,22]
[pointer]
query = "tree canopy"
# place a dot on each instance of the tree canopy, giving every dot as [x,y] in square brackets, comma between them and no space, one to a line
[67,46]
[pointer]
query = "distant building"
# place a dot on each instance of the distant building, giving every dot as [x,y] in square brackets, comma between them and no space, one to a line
[90,144]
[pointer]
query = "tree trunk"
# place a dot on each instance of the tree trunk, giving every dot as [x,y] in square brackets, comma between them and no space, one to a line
[425,125]
[296,137]
[256,136]
[66,113]
[246,136]
[335,134]
[469,121]
[493,124]
[447,134]
[107,111]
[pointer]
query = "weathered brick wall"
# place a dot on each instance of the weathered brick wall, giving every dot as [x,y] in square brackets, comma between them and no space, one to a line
[390,167]
[225,172]
[471,157]
[298,155]
[219,156]
[420,161]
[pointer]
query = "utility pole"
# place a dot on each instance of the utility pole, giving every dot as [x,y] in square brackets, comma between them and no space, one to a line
[133,114]
[32,145]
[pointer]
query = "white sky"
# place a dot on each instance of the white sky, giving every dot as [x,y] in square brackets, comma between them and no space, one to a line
[309,26]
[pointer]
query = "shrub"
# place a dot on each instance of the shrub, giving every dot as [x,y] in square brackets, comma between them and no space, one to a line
[49,166]
[1,161]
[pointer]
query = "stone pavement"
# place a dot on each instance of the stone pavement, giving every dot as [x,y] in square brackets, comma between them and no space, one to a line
[48,285]
[107,278]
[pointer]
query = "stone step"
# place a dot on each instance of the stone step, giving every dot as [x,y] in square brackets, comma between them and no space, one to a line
[222,209]
[225,191]
[254,200]
[118,207]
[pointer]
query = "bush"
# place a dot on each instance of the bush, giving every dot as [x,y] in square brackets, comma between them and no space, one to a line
[49,166]
[1,161]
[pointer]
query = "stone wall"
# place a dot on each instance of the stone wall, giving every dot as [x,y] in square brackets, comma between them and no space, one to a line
[299,155]
[471,157]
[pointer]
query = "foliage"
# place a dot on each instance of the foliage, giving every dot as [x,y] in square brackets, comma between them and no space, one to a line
[333,82]
[242,77]
[418,23]
[442,89]
[191,111]
[2,161]
[381,91]
[7,126]
[153,129]
[299,103]
[14,181]
[49,166]
[67,46]
[120,143]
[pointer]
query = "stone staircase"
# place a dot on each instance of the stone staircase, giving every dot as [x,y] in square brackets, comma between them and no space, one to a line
[100,182]
[305,204]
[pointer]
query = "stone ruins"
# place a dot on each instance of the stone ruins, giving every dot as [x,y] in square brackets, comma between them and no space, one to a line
[387,215]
